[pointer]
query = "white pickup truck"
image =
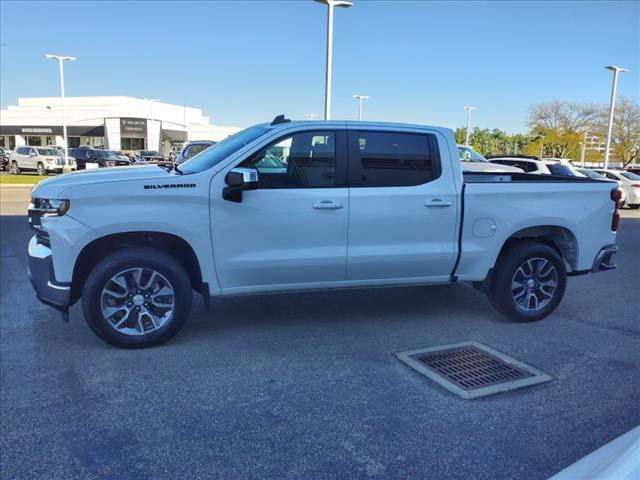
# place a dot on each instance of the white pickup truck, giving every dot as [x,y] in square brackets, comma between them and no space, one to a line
[309,205]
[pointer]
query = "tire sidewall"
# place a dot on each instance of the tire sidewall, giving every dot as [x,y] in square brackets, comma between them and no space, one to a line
[501,296]
[136,258]
[40,169]
[14,168]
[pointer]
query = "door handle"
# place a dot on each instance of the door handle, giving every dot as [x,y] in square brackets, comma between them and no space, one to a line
[327,205]
[436,202]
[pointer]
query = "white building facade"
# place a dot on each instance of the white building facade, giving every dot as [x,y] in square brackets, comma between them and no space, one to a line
[114,123]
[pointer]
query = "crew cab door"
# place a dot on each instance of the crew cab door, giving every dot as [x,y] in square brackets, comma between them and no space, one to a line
[291,232]
[403,207]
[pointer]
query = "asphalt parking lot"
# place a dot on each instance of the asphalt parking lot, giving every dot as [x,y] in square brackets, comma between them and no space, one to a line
[305,385]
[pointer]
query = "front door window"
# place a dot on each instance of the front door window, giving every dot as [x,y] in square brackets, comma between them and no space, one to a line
[303,160]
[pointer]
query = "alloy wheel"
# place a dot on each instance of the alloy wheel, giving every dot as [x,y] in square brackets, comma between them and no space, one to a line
[137,301]
[534,284]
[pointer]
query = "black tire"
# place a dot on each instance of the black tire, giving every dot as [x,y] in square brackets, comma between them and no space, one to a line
[15,170]
[139,257]
[633,207]
[514,256]
[40,169]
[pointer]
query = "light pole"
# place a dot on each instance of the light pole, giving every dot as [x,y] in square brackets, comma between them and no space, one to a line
[151,100]
[329,66]
[616,71]
[61,60]
[469,108]
[360,100]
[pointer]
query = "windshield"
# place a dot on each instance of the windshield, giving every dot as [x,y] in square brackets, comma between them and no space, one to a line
[221,150]
[560,169]
[468,154]
[106,154]
[150,153]
[50,151]
[630,176]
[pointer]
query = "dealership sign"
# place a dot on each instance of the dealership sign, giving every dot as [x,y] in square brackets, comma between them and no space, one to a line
[133,128]
[30,130]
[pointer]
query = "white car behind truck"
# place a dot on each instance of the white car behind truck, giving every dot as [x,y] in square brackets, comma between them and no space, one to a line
[42,160]
[309,205]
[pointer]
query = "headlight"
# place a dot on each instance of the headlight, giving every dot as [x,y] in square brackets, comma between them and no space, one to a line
[111,163]
[51,160]
[50,207]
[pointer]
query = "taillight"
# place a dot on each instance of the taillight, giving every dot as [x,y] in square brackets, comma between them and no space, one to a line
[616,196]
[635,185]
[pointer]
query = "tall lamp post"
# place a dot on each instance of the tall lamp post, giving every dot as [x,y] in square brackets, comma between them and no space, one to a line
[469,108]
[612,106]
[331,4]
[360,98]
[61,60]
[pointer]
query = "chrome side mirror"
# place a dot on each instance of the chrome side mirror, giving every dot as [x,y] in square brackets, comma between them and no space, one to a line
[239,180]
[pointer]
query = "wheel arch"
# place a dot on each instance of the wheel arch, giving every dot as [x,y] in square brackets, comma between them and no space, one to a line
[560,238]
[171,244]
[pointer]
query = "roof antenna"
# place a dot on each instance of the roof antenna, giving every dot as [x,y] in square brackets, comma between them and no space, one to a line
[280,119]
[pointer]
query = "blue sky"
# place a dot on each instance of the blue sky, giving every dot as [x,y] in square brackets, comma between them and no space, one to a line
[244,62]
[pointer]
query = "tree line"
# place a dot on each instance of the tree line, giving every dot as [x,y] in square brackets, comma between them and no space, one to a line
[559,129]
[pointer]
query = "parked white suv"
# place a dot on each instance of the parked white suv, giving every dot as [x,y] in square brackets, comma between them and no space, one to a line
[528,164]
[43,160]
[309,205]
[472,161]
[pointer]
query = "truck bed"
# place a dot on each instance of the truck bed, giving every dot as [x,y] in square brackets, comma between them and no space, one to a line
[575,211]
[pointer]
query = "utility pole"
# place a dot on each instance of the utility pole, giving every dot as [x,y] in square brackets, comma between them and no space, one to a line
[61,60]
[469,108]
[331,4]
[360,99]
[616,71]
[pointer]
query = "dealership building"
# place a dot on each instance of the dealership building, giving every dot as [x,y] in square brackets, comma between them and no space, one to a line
[115,123]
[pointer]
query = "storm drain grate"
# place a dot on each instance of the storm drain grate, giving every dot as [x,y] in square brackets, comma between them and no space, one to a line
[471,369]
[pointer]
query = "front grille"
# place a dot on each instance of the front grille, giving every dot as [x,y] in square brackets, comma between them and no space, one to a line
[471,369]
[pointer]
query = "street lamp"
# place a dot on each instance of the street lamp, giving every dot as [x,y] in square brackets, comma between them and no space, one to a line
[616,71]
[468,109]
[157,146]
[360,99]
[329,67]
[61,60]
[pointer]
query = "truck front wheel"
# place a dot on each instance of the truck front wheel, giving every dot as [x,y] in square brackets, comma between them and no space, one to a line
[528,281]
[137,298]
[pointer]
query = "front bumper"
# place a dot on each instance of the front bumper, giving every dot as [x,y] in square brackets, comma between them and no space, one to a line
[603,261]
[41,275]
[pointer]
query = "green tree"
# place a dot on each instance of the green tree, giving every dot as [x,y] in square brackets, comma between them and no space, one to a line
[558,126]
[625,134]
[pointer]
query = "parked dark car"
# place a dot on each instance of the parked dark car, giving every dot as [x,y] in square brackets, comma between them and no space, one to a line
[191,149]
[122,155]
[635,170]
[150,156]
[104,158]
[4,159]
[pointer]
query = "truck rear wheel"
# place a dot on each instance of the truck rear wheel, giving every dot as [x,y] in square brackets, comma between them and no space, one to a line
[137,298]
[528,281]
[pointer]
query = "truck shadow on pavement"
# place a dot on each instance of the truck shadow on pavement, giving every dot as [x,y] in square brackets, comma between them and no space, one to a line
[354,307]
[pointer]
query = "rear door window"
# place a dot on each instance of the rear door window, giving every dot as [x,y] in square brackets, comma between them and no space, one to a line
[392,159]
